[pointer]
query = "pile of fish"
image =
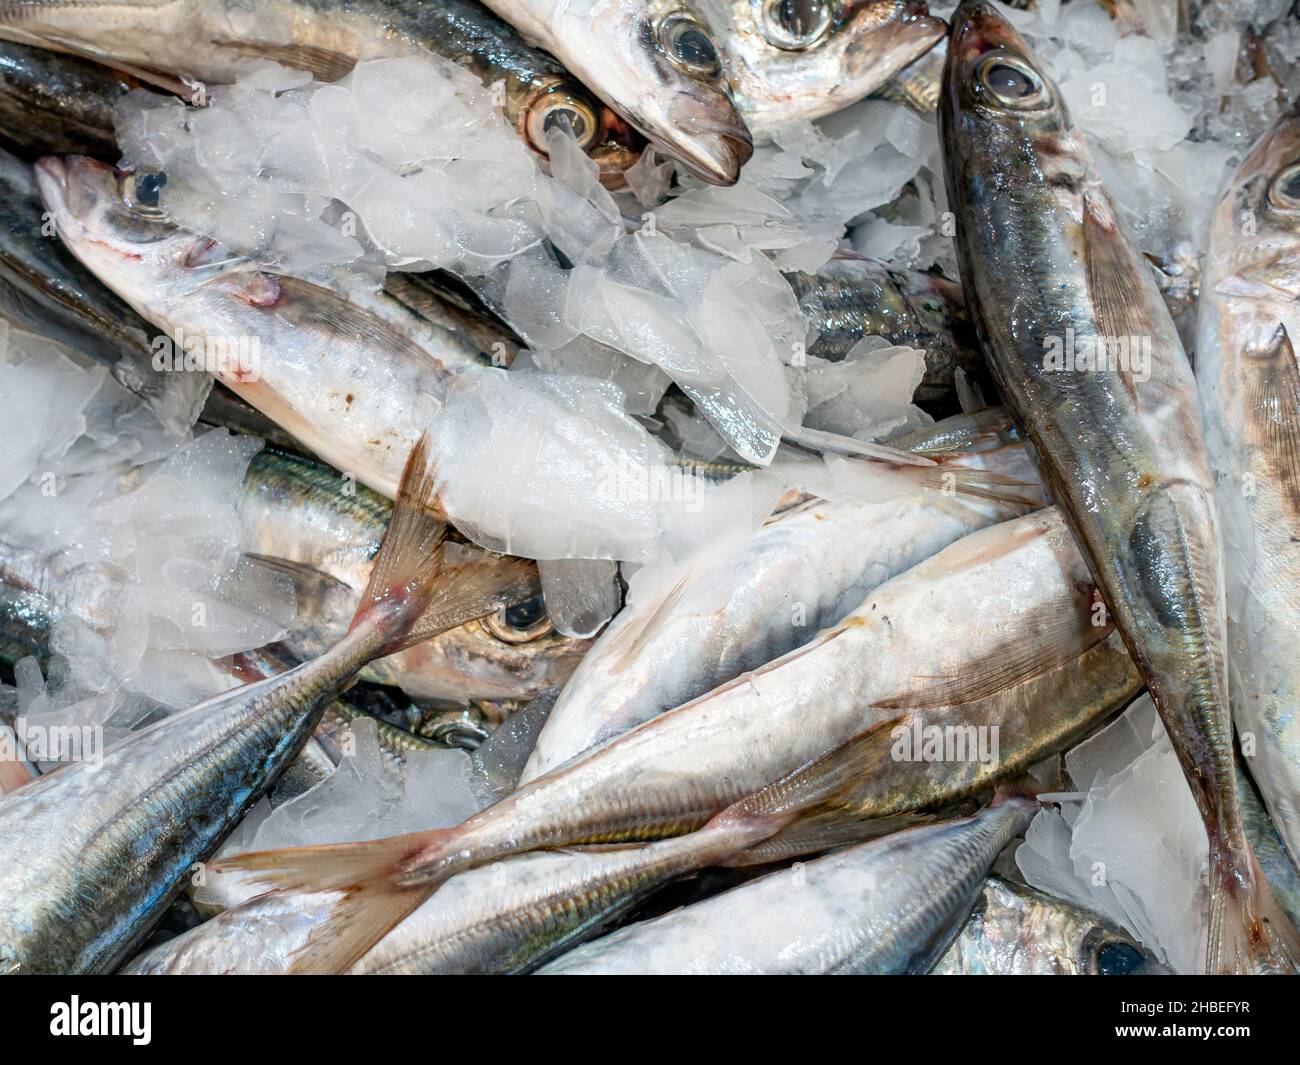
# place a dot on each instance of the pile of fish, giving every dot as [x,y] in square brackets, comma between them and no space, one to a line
[650,486]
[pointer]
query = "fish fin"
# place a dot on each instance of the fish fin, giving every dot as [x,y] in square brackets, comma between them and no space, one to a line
[1273,391]
[406,570]
[636,634]
[471,585]
[952,478]
[375,898]
[1248,931]
[837,444]
[822,830]
[976,431]
[322,63]
[1063,636]
[1113,281]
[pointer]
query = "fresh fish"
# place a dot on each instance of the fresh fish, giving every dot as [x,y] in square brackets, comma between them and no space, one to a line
[59,104]
[306,519]
[802,59]
[94,853]
[1249,377]
[1015,930]
[917,85]
[1121,444]
[655,63]
[1281,871]
[887,907]
[176,42]
[850,298]
[352,386]
[509,917]
[803,571]
[993,630]
[45,289]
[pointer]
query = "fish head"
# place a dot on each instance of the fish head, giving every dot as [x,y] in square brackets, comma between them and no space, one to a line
[996,91]
[1103,950]
[596,127]
[791,59]
[1255,247]
[112,221]
[657,65]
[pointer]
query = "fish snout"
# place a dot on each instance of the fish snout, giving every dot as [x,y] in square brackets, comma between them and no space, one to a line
[711,139]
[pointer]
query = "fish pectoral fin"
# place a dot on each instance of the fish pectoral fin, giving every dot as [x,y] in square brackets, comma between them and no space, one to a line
[308,582]
[1114,282]
[1063,636]
[954,478]
[824,443]
[1272,388]
[322,63]
[822,830]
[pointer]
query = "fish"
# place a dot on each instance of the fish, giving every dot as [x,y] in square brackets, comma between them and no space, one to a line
[656,64]
[175,44]
[301,517]
[264,335]
[885,907]
[998,624]
[1120,444]
[1015,930]
[512,916]
[803,59]
[94,853]
[850,298]
[802,571]
[44,288]
[52,104]
[1249,379]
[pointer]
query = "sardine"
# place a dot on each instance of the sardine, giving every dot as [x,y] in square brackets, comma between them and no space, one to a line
[887,907]
[802,59]
[1249,377]
[1049,272]
[45,289]
[94,853]
[176,42]
[1015,930]
[656,64]
[1001,620]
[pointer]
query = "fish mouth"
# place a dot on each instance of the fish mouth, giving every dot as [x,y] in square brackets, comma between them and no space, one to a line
[712,146]
[880,50]
[71,186]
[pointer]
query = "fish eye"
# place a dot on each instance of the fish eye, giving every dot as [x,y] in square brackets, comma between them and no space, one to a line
[561,106]
[1118,959]
[141,192]
[1012,81]
[520,622]
[795,24]
[1284,190]
[690,47]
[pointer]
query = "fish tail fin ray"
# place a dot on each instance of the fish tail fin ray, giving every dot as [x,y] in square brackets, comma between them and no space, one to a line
[1248,931]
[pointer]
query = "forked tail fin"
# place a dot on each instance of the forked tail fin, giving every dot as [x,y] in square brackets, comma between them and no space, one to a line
[1248,931]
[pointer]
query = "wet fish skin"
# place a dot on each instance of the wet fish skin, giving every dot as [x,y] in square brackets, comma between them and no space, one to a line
[1015,930]
[94,853]
[44,288]
[1123,450]
[166,40]
[886,907]
[653,62]
[803,571]
[58,104]
[1249,379]
[808,58]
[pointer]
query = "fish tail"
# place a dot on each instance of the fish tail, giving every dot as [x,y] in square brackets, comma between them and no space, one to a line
[1248,931]
[377,894]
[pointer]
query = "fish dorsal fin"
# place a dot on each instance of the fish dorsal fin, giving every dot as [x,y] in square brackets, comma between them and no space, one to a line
[1114,282]
[1272,387]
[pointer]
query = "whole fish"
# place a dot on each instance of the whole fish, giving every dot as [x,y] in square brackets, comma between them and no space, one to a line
[175,42]
[1119,435]
[656,64]
[44,288]
[510,917]
[802,571]
[802,59]
[93,854]
[887,907]
[304,518]
[1015,930]
[850,298]
[1249,377]
[59,104]
[996,629]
